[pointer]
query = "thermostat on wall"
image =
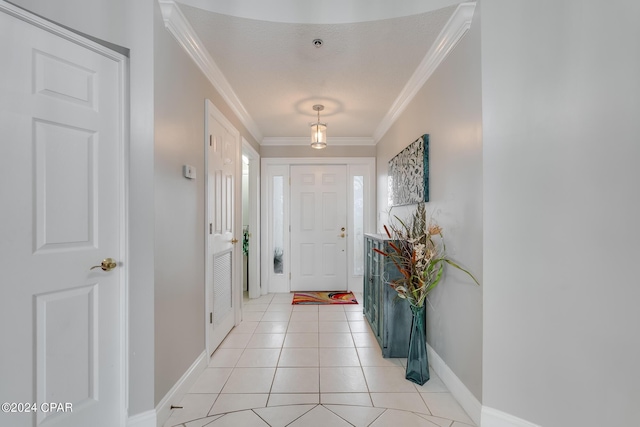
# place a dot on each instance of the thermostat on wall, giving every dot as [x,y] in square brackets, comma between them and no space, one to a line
[189,171]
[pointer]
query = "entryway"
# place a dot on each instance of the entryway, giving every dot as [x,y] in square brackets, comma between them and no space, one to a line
[314,214]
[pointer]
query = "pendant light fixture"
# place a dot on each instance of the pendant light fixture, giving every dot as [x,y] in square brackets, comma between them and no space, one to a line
[318,131]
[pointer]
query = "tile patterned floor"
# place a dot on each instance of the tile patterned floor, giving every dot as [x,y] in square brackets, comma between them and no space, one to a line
[309,366]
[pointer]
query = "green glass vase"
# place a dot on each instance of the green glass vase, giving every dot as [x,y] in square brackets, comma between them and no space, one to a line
[417,359]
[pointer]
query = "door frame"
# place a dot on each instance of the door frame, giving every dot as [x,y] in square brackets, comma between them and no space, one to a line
[123,149]
[281,166]
[210,108]
[254,217]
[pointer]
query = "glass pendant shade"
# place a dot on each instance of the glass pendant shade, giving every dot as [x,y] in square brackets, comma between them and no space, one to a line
[318,130]
[318,135]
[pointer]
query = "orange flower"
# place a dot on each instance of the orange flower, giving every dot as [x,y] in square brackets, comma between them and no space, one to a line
[434,229]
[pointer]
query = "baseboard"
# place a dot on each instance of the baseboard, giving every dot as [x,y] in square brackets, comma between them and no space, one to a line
[180,388]
[144,419]
[460,392]
[494,418]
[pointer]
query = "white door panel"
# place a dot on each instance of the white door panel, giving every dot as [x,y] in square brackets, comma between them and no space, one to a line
[61,189]
[222,280]
[318,227]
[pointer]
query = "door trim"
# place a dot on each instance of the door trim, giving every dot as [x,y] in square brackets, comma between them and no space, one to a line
[211,109]
[254,217]
[123,174]
[281,167]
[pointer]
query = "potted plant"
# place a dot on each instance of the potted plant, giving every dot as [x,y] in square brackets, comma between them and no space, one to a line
[418,252]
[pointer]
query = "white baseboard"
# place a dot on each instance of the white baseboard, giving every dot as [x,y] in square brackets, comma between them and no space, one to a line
[180,388]
[494,418]
[460,392]
[144,419]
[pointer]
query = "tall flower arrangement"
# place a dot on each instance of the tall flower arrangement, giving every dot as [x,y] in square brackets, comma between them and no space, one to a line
[419,253]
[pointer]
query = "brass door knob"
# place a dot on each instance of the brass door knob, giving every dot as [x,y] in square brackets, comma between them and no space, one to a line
[234,241]
[107,264]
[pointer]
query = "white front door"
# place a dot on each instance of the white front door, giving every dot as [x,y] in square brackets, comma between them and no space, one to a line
[223,145]
[62,212]
[318,227]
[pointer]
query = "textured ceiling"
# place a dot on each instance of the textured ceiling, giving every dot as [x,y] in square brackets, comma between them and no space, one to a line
[278,74]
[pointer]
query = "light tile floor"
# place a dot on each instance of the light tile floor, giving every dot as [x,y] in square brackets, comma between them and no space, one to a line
[310,365]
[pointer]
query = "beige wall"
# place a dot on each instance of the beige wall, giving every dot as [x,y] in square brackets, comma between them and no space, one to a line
[180,93]
[561,147]
[306,151]
[448,108]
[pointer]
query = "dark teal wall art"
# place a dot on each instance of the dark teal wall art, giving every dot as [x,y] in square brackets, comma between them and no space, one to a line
[409,174]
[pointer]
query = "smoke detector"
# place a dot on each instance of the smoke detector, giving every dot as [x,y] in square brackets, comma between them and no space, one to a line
[317,42]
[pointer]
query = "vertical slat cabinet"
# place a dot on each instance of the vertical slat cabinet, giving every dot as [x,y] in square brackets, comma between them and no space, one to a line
[389,317]
[371,285]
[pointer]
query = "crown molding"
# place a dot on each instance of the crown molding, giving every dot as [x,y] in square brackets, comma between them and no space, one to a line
[187,38]
[305,140]
[453,31]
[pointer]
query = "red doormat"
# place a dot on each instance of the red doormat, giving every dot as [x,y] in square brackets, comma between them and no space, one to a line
[324,298]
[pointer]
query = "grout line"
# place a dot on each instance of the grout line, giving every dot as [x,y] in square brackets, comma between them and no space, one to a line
[351,333]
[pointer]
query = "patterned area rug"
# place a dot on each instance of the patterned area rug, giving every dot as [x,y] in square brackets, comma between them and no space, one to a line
[324,298]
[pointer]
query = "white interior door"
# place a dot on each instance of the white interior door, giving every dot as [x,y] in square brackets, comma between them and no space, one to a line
[318,227]
[62,210]
[222,254]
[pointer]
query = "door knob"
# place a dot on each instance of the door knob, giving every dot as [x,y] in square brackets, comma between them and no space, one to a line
[107,264]
[341,235]
[234,241]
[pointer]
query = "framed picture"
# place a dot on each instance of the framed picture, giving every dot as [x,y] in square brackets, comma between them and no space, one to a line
[409,174]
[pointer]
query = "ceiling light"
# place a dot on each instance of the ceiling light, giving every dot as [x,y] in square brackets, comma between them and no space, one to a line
[318,131]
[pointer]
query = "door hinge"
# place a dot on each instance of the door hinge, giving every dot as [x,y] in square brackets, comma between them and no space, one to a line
[211,317]
[289,276]
[210,140]
[210,228]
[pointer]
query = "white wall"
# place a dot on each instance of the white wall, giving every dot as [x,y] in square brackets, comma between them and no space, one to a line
[448,108]
[561,109]
[130,25]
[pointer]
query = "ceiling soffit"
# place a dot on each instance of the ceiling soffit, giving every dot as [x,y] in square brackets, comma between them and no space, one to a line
[322,12]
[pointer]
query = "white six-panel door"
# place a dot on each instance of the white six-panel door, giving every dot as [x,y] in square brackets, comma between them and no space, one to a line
[318,227]
[61,196]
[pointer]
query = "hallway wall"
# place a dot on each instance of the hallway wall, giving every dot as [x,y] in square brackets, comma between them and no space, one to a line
[180,93]
[561,147]
[448,108]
